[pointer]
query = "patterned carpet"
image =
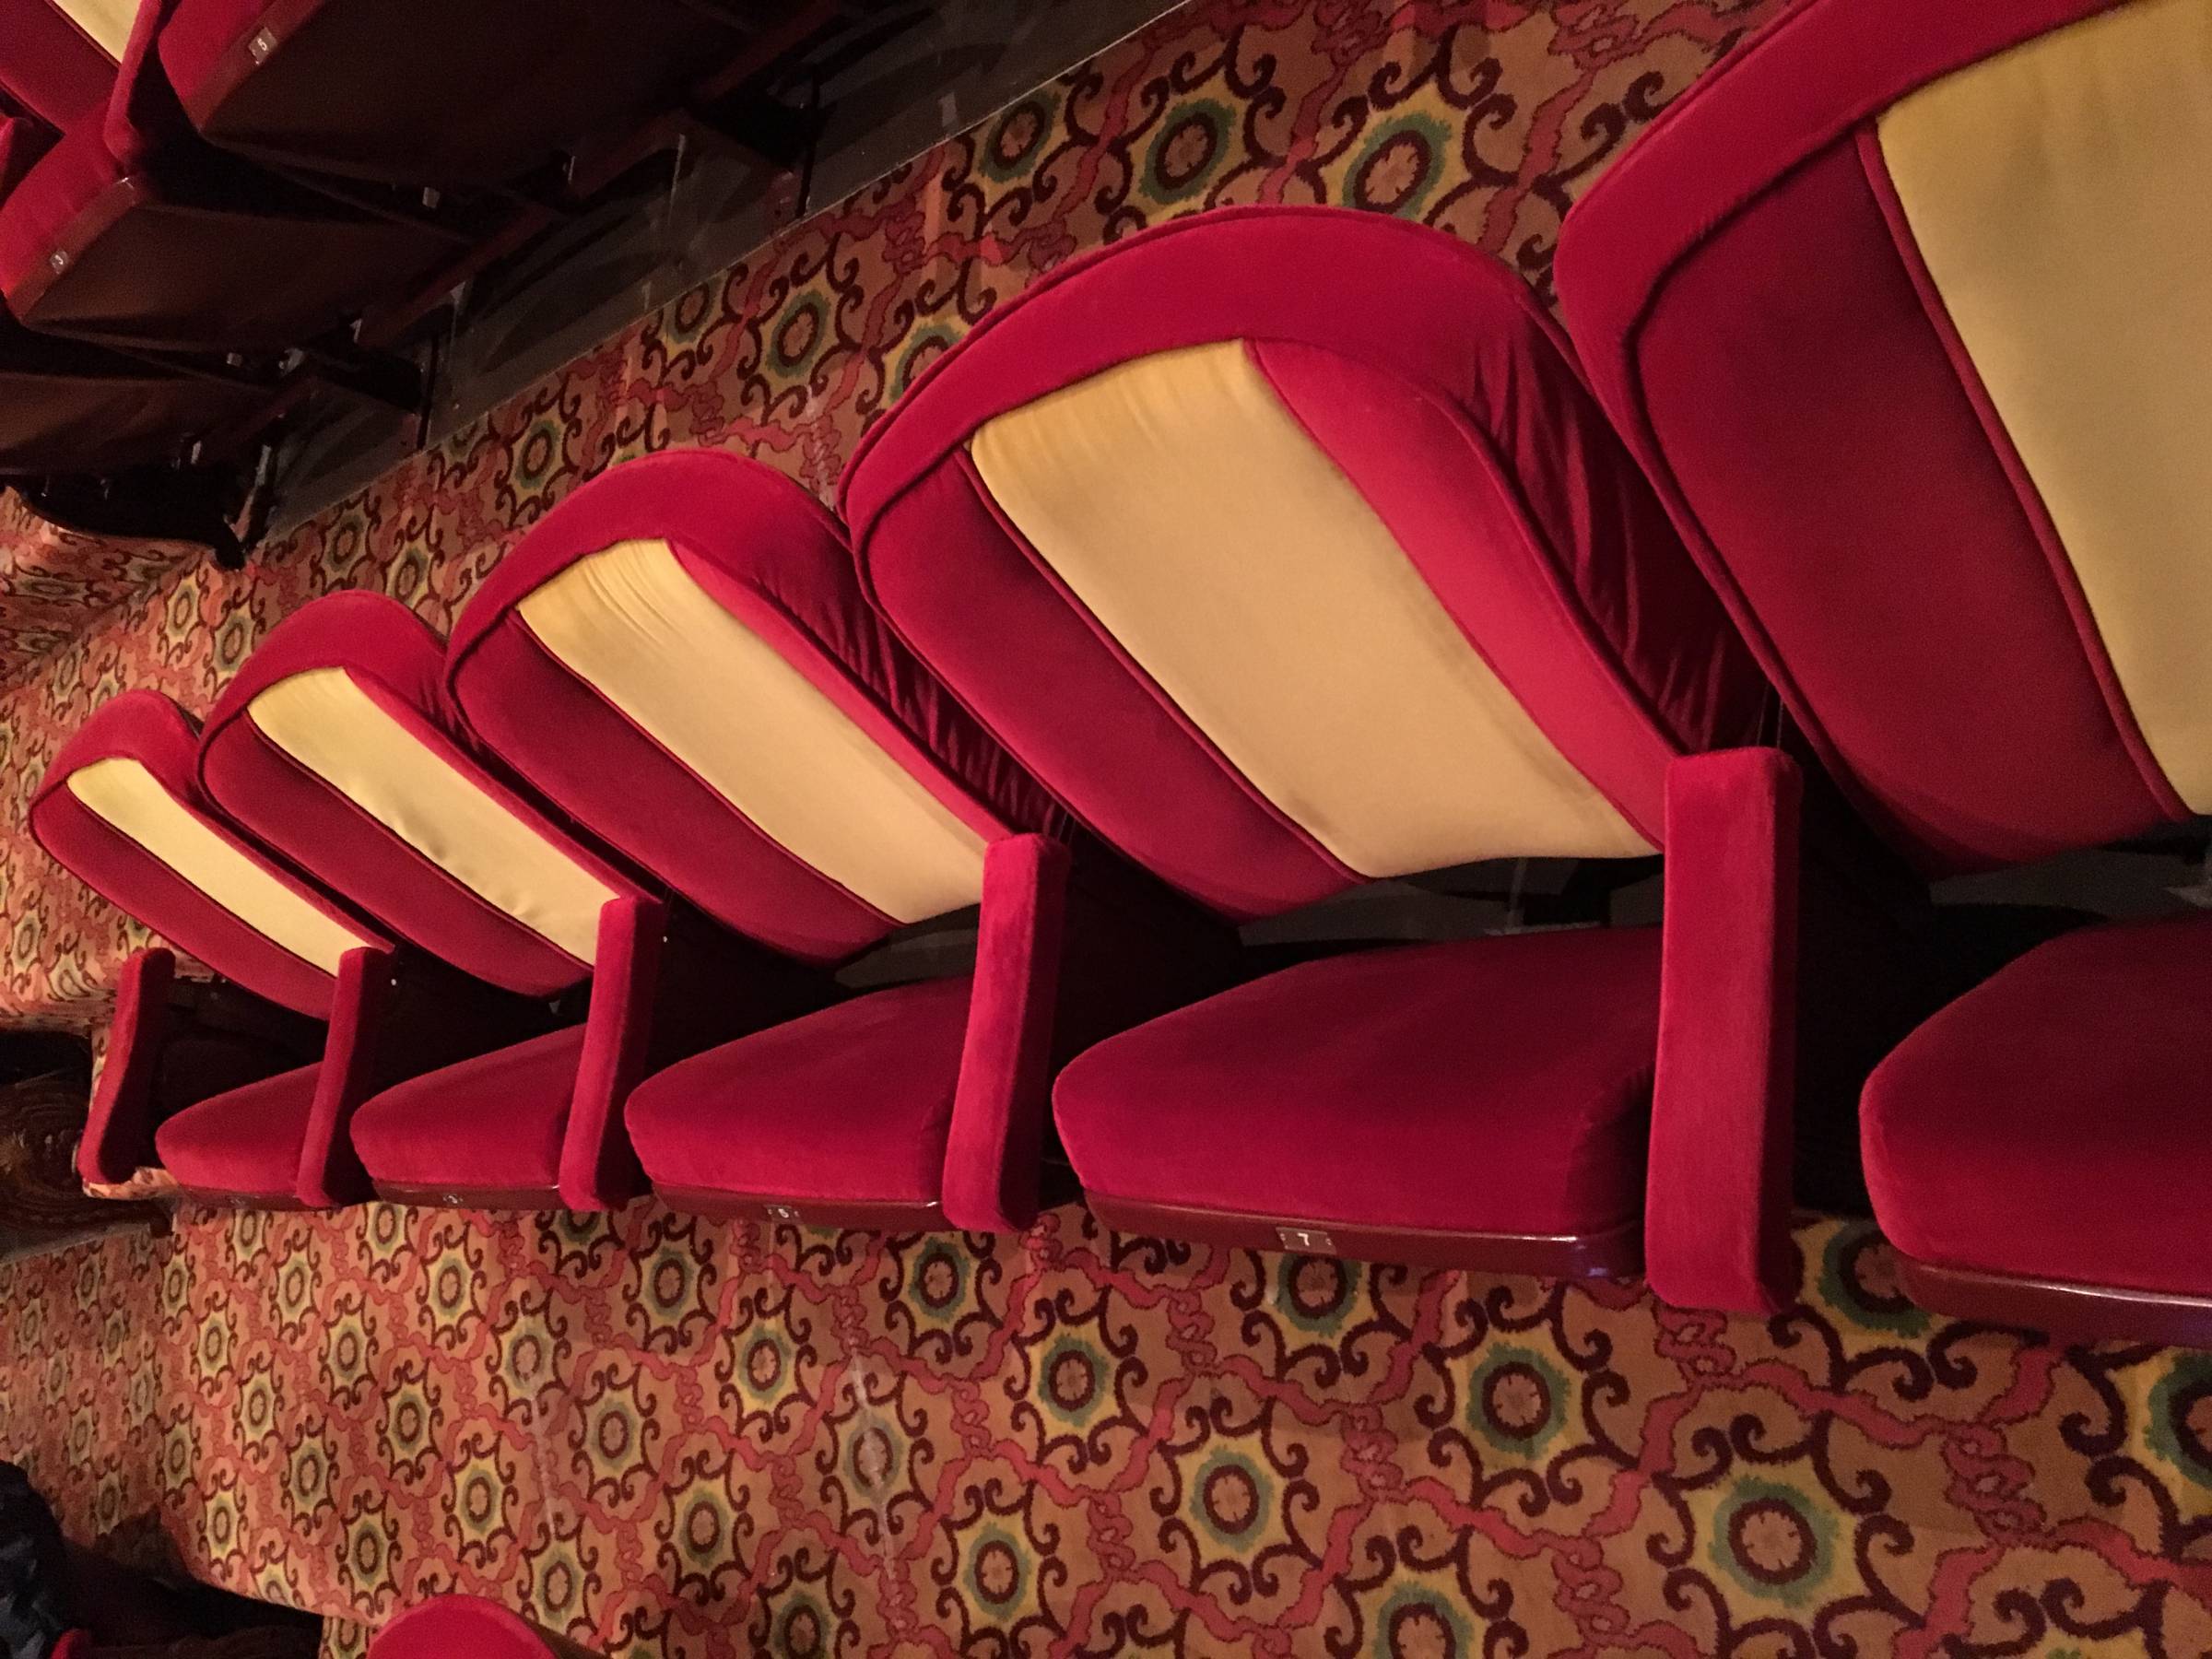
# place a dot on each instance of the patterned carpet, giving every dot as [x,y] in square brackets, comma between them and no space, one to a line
[688,1440]
[679,1438]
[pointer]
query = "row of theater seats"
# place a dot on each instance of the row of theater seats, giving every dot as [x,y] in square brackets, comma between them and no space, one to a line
[1256,557]
[186,181]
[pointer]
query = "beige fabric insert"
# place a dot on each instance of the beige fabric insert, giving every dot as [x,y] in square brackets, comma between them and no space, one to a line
[1209,534]
[334,729]
[121,792]
[107,22]
[631,623]
[2059,193]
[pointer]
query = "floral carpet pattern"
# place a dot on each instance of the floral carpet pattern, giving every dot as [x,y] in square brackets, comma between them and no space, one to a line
[1484,117]
[692,1440]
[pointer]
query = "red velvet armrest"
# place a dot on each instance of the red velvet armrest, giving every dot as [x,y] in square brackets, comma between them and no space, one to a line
[1717,1200]
[598,1169]
[993,1155]
[329,1174]
[119,1133]
[1070,951]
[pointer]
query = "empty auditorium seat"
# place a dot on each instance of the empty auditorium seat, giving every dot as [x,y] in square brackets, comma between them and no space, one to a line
[678,655]
[1287,548]
[334,745]
[1905,311]
[131,230]
[428,93]
[468,1627]
[233,1098]
[66,406]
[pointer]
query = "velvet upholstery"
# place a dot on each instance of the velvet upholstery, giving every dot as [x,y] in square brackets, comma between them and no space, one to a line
[1823,267]
[246,1143]
[466,1626]
[148,728]
[1484,1085]
[1758,206]
[850,1106]
[774,560]
[495,1124]
[397,661]
[1437,415]
[1551,556]
[49,67]
[118,1124]
[2050,1124]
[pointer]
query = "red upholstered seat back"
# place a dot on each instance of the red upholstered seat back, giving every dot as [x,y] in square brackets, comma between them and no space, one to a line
[49,68]
[1287,547]
[467,1627]
[120,808]
[680,657]
[1906,308]
[334,745]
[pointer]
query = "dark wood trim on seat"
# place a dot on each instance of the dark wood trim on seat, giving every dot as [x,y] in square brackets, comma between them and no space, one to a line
[1618,1253]
[873,1214]
[472,1198]
[2070,1312]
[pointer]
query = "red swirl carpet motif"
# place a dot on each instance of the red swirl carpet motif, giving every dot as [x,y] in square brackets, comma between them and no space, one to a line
[684,1440]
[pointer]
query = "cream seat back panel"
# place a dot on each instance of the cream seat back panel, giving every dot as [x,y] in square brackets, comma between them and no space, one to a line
[107,22]
[630,622]
[1210,536]
[325,721]
[126,796]
[2058,194]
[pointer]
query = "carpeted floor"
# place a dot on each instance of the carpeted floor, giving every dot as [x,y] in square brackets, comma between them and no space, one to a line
[678,1438]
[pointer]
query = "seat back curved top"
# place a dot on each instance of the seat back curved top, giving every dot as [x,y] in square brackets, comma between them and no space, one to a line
[678,656]
[468,1625]
[1904,312]
[120,808]
[334,744]
[1287,548]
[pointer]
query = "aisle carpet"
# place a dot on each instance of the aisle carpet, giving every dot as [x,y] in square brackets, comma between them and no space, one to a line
[679,1438]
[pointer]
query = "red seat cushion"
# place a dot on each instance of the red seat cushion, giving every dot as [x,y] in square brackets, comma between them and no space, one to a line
[850,1103]
[2051,1123]
[490,1124]
[65,180]
[448,1627]
[1498,1084]
[246,1142]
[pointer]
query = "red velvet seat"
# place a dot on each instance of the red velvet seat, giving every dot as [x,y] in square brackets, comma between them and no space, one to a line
[334,745]
[1452,1088]
[1286,546]
[130,230]
[835,1111]
[2077,1077]
[244,1143]
[678,656]
[120,808]
[480,1130]
[467,1627]
[429,92]
[1900,312]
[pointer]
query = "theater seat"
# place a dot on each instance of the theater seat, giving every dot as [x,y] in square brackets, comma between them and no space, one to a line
[679,658]
[1286,546]
[131,231]
[837,1111]
[334,745]
[1491,1088]
[2041,1126]
[69,407]
[1905,317]
[425,91]
[214,1076]
[480,1130]
[245,1142]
